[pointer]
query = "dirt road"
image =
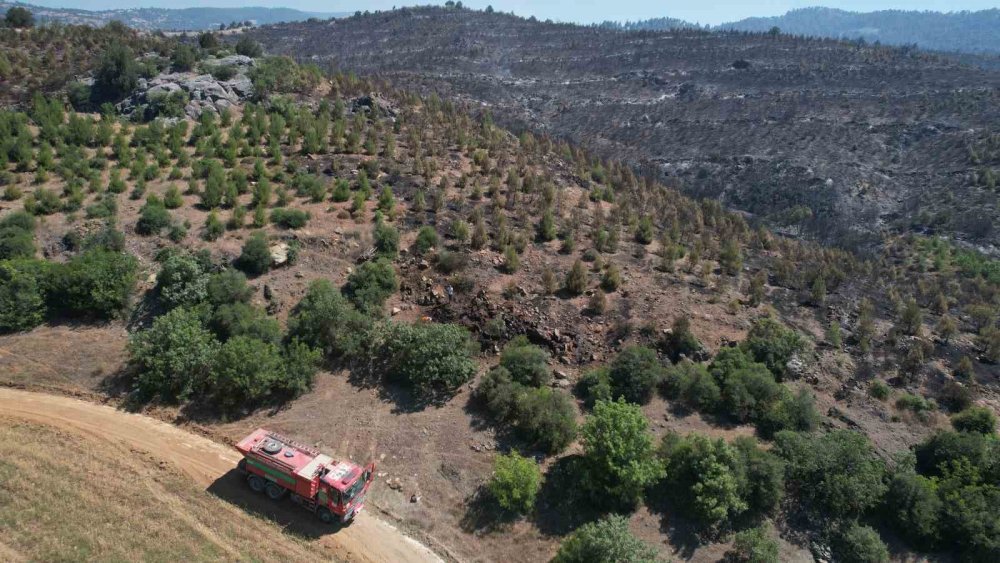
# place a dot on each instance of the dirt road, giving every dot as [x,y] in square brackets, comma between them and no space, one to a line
[210,464]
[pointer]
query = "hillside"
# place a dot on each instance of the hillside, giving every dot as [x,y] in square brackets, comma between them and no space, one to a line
[168,19]
[548,352]
[965,31]
[837,141]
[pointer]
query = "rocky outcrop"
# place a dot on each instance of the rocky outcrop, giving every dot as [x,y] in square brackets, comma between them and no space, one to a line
[202,92]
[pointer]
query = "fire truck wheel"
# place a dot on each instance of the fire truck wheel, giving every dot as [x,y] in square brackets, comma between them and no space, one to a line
[256,483]
[274,492]
[324,515]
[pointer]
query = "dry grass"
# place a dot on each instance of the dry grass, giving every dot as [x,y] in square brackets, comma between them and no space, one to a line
[68,497]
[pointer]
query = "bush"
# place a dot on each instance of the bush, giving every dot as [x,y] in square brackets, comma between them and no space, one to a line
[748,393]
[703,475]
[223,72]
[183,58]
[691,383]
[242,319]
[791,412]
[526,363]
[975,419]
[182,281]
[289,218]
[22,300]
[595,385]
[619,454]
[117,73]
[244,372]
[371,284]
[327,321]
[879,390]
[255,258]
[859,544]
[173,355]
[754,546]
[515,483]
[634,373]
[546,419]
[944,449]
[228,286]
[837,474]
[772,344]
[153,217]
[386,240]
[96,283]
[608,539]
[914,509]
[248,47]
[681,341]
[17,239]
[576,279]
[427,239]
[500,395]
[18,17]
[433,359]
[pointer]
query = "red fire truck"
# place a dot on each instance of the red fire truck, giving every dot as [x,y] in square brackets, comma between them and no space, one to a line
[333,489]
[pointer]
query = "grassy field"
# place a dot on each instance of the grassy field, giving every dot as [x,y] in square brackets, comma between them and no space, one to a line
[71,497]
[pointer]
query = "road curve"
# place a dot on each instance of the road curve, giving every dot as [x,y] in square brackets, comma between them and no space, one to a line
[368,540]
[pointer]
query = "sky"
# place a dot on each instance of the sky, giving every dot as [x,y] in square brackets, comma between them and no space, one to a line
[582,11]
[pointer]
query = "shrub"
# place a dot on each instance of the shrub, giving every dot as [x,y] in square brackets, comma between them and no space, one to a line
[19,17]
[386,240]
[248,47]
[15,241]
[515,482]
[702,474]
[117,73]
[837,474]
[173,355]
[914,508]
[433,359]
[595,385]
[183,58]
[634,373]
[223,72]
[427,239]
[511,261]
[612,279]
[608,539]
[289,218]
[879,390]
[371,284]
[859,544]
[153,217]
[576,279]
[618,453]
[526,363]
[975,419]
[772,344]
[944,449]
[680,341]
[325,320]
[182,281]
[754,546]
[228,286]
[244,372]
[546,419]
[791,412]
[748,393]
[691,383]
[242,319]
[500,395]
[255,258]
[96,283]
[22,300]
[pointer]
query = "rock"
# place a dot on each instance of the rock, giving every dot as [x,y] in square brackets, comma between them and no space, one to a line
[394,484]
[795,368]
[279,254]
[236,60]
[268,292]
[395,311]
[414,498]
[374,103]
[561,384]
[559,374]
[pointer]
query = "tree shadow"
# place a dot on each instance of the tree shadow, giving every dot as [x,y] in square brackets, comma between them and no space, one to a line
[483,515]
[563,505]
[403,399]
[684,534]
[233,489]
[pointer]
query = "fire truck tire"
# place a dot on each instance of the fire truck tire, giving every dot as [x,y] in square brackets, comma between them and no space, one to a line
[274,491]
[256,483]
[324,515]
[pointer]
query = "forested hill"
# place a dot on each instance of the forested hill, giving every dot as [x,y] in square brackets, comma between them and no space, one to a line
[169,19]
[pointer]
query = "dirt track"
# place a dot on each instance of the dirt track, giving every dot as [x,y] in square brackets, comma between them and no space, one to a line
[211,465]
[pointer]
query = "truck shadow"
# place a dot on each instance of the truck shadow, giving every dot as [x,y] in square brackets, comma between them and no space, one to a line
[233,489]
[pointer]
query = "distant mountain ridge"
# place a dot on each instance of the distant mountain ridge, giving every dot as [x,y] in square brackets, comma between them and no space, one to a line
[169,19]
[964,32]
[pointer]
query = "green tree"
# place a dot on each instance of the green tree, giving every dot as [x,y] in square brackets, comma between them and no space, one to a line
[515,482]
[97,283]
[856,543]
[182,281]
[772,344]
[19,17]
[619,454]
[914,508]
[255,258]
[526,363]
[324,319]
[634,373]
[173,356]
[434,359]
[702,474]
[22,301]
[248,47]
[427,239]
[975,419]
[386,239]
[244,372]
[608,539]
[371,284]
[755,545]
[576,279]
[117,73]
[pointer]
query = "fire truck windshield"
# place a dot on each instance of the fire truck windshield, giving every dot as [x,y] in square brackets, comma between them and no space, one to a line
[353,490]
